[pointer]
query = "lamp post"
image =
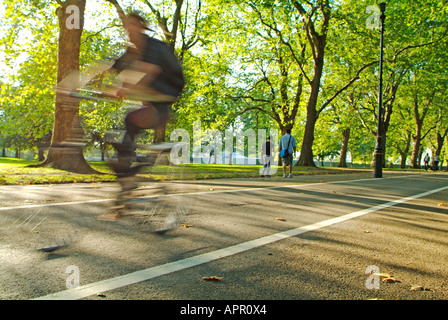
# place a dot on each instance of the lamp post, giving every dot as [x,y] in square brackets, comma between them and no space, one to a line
[378,156]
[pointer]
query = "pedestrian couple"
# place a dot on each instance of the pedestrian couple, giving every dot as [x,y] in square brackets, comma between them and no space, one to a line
[286,148]
[435,159]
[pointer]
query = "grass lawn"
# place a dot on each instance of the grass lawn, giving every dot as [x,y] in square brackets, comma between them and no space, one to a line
[15,171]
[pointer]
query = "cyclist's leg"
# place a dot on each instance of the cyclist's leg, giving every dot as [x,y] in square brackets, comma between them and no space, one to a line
[136,121]
[163,111]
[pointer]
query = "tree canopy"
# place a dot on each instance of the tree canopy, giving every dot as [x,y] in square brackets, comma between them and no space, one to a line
[309,66]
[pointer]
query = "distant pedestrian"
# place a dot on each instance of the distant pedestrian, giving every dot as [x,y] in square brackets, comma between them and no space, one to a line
[267,156]
[426,161]
[436,162]
[287,147]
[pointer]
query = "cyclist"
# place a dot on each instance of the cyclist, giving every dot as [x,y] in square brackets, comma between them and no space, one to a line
[160,83]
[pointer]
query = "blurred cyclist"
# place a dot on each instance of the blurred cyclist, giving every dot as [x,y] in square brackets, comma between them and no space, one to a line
[159,82]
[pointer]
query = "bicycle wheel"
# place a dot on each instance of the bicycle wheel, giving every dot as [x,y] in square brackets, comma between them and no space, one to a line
[160,203]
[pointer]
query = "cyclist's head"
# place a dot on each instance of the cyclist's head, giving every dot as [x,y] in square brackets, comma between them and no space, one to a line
[135,25]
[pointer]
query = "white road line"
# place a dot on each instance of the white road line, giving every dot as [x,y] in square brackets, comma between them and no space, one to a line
[150,273]
[294,186]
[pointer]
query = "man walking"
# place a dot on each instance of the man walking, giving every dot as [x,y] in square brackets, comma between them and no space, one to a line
[287,146]
[426,161]
[267,156]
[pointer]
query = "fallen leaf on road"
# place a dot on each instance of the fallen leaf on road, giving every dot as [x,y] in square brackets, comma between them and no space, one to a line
[212,278]
[381,275]
[385,277]
[419,288]
[279,219]
[390,280]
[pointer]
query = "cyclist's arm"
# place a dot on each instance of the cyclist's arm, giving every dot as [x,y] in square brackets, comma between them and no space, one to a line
[151,72]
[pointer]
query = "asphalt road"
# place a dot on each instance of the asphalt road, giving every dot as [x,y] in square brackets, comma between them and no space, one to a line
[332,230]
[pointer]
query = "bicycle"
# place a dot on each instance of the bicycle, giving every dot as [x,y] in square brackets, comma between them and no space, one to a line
[161,210]
[157,209]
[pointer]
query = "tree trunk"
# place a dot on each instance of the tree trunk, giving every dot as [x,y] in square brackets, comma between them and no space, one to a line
[40,154]
[383,149]
[404,153]
[440,140]
[159,134]
[403,161]
[306,152]
[446,168]
[343,158]
[415,164]
[159,137]
[67,125]
[317,42]
[417,138]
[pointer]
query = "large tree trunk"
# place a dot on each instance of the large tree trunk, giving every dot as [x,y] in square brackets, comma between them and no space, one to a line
[63,153]
[306,152]
[159,134]
[343,157]
[404,153]
[415,163]
[440,140]
[317,42]
[417,137]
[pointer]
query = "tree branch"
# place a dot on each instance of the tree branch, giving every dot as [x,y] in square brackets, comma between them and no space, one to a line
[120,11]
[235,98]
[282,40]
[97,33]
[356,77]
[429,130]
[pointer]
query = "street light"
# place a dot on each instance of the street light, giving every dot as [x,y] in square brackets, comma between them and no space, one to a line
[378,156]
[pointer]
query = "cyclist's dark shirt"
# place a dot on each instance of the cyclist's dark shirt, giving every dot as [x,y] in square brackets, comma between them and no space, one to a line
[171,80]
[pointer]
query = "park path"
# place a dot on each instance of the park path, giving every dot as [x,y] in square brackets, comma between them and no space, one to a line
[328,231]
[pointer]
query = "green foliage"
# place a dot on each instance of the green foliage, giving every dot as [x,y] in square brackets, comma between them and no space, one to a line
[249,65]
